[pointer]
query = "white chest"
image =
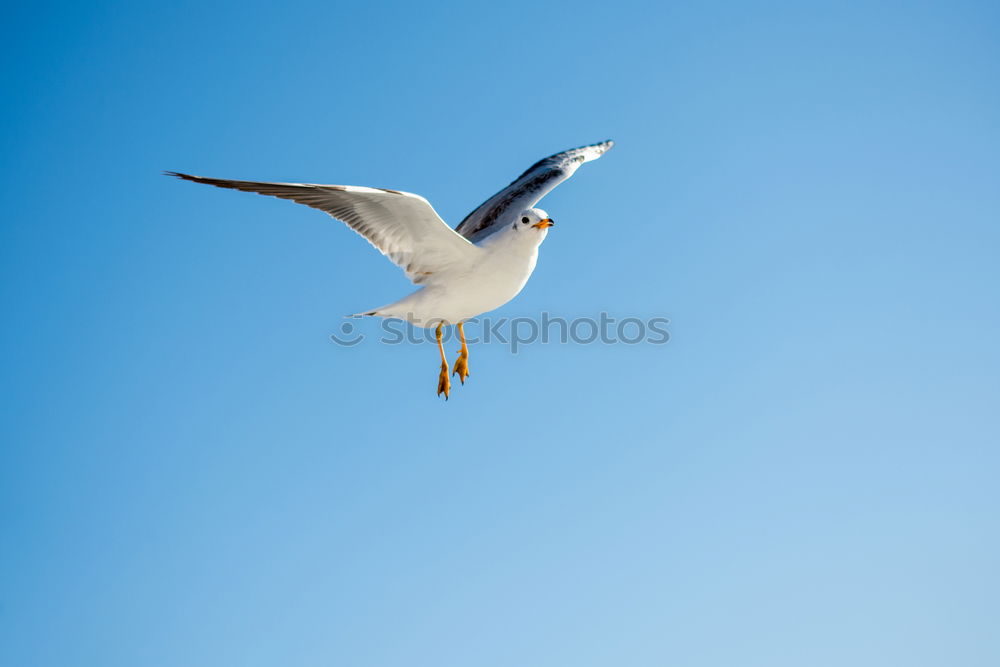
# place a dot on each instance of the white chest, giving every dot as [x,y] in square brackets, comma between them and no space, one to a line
[500,277]
[503,269]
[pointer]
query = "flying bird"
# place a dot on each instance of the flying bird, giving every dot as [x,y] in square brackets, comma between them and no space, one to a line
[479,266]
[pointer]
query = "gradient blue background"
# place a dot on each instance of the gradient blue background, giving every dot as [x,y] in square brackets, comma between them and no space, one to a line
[193,474]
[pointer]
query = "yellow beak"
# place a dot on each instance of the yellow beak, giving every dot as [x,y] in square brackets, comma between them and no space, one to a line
[542,224]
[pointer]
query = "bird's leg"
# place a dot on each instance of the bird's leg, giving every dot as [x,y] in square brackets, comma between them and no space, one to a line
[462,363]
[444,383]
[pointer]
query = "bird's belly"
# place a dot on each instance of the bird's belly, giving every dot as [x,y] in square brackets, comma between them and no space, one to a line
[486,287]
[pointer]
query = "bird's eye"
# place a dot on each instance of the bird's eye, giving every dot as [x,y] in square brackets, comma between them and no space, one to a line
[524,221]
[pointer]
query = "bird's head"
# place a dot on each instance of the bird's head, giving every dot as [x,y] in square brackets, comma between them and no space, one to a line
[532,221]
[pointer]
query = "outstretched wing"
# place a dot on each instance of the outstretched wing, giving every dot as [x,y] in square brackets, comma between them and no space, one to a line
[528,189]
[402,226]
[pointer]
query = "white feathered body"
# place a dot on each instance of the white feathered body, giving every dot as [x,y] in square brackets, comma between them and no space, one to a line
[501,268]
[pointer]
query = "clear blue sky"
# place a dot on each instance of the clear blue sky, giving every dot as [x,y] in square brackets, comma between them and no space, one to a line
[193,474]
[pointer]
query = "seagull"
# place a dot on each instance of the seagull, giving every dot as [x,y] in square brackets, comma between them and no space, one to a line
[464,272]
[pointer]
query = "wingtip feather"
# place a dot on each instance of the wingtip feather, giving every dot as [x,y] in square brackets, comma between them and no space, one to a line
[598,149]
